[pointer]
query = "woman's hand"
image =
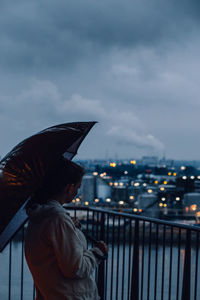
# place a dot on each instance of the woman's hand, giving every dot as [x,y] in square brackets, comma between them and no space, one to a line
[102,246]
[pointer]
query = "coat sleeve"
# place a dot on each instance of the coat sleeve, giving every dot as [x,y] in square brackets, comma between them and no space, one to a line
[73,260]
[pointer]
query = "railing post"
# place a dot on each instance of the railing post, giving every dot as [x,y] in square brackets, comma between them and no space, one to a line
[135,266]
[101,269]
[187,268]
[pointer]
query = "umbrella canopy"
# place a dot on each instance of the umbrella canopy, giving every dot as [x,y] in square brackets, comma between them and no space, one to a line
[22,170]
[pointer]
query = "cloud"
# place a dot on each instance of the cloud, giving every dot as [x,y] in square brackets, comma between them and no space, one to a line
[133,66]
[36,36]
[43,104]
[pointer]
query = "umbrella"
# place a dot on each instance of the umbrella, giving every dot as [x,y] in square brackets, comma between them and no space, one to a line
[24,167]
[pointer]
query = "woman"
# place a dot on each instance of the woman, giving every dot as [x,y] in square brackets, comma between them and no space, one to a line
[56,250]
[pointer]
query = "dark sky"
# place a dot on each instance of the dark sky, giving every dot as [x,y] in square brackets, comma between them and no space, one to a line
[131,65]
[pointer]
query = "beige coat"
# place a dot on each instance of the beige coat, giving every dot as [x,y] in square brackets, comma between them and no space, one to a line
[57,256]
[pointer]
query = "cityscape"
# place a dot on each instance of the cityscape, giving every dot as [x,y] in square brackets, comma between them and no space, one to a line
[153,187]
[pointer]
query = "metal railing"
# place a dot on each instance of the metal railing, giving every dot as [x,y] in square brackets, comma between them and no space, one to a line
[148,259]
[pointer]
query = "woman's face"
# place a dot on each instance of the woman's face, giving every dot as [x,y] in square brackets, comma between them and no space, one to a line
[71,191]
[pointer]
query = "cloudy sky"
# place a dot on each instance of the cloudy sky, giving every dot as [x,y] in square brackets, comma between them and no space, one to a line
[131,65]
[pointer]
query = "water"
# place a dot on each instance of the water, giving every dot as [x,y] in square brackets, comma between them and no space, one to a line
[117,285]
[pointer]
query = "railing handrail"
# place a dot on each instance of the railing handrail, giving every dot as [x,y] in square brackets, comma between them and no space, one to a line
[142,218]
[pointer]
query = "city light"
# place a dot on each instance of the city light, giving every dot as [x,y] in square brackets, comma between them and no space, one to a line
[113,165]
[119,192]
[198,214]
[193,207]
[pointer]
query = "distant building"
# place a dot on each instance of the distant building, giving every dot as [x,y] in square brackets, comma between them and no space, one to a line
[94,187]
[103,189]
[145,200]
[197,186]
[120,193]
[190,199]
[150,160]
[88,188]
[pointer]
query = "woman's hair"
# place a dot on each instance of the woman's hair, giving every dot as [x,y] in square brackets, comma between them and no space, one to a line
[62,173]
